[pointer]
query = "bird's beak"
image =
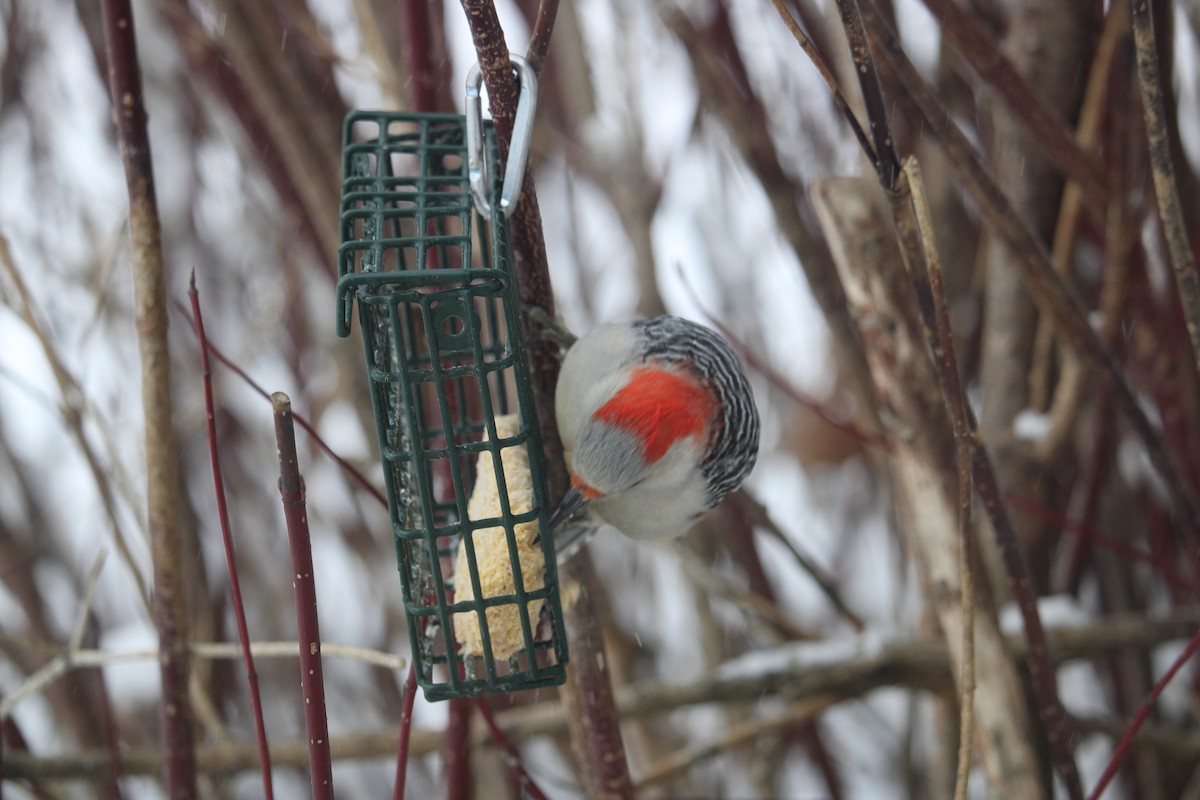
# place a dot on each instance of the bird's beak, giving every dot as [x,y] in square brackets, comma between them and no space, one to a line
[572,503]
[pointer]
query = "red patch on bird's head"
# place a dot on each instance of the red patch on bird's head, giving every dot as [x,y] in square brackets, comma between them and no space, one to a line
[660,407]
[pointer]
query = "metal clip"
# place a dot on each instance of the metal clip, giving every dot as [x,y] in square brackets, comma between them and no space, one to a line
[518,148]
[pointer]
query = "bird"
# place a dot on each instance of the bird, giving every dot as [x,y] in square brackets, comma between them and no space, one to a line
[658,424]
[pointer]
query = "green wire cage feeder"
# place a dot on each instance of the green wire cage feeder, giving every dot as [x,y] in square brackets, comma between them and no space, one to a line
[425,252]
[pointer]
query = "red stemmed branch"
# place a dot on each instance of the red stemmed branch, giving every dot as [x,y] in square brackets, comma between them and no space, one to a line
[1139,717]
[417,60]
[543,28]
[1090,533]
[161,447]
[299,418]
[456,749]
[512,756]
[406,712]
[239,608]
[291,489]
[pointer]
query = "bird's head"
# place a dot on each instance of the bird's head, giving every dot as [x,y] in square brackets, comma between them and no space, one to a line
[649,431]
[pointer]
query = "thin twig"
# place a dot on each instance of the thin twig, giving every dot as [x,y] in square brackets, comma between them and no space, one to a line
[887,163]
[1140,716]
[758,515]
[751,603]
[300,419]
[1041,670]
[213,650]
[72,407]
[827,75]
[1066,230]
[1178,743]
[737,736]
[746,118]
[543,28]
[291,489]
[63,663]
[1079,527]
[512,757]
[1170,210]
[239,608]
[292,114]
[105,710]
[162,452]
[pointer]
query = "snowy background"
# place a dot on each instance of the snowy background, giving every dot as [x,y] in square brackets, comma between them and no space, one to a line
[634,173]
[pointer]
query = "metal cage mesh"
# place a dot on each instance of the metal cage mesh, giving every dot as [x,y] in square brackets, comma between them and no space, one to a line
[441,331]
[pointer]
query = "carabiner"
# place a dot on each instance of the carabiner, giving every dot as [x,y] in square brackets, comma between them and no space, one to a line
[518,148]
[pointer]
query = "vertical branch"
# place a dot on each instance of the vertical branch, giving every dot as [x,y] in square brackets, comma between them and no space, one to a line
[235,586]
[887,165]
[942,347]
[592,716]
[417,60]
[162,453]
[456,755]
[291,490]
[1170,210]
[543,27]
[410,693]
[512,757]
[595,729]
[525,226]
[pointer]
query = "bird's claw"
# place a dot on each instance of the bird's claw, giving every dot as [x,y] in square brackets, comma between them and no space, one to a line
[546,328]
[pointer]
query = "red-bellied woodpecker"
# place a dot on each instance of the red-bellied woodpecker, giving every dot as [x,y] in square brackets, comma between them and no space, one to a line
[658,424]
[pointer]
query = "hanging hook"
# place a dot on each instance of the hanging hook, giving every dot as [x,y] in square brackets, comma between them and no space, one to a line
[518,148]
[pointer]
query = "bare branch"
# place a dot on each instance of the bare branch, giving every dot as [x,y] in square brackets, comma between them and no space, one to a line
[543,28]
[1030,256]
[867,665]
[291,489]
[1170,209]
[162,474]
[235,584]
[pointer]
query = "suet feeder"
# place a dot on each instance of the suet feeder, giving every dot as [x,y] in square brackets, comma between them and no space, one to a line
[425,252]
